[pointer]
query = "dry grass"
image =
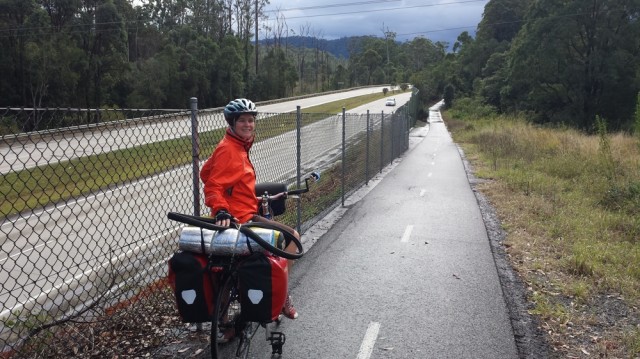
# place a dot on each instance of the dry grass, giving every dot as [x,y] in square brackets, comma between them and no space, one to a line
[570,204]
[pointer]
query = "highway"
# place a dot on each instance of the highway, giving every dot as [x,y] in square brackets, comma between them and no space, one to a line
[28,153]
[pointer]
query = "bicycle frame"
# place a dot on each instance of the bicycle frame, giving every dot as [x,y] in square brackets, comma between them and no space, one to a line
[227,314]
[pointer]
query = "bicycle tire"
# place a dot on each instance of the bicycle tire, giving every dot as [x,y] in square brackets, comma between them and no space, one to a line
[226,313]
[246,230]
[244,345]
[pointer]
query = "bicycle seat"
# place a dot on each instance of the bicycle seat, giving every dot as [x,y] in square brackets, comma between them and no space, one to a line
[278,205]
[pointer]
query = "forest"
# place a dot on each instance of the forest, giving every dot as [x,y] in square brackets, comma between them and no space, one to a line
[560,62]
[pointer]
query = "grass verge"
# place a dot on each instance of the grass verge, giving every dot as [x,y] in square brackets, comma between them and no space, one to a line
[570,205]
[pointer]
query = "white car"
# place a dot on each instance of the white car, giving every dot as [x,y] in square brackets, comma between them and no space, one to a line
[390,102]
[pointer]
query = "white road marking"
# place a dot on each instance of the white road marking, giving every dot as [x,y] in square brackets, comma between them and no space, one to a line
[422,192]
[369,341]
[429,175]
[407,234]
[69,202]
[13,255]
[110,262]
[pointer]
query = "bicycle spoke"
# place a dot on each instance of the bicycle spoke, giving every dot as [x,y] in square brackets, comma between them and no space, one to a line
[226,313]
[244,345]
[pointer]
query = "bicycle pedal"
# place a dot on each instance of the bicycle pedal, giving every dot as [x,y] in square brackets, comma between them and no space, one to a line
[277,340]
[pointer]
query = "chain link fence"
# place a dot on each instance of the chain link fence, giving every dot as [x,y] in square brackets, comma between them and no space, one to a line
[84,234]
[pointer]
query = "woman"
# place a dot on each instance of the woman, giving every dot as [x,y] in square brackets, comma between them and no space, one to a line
[230,179]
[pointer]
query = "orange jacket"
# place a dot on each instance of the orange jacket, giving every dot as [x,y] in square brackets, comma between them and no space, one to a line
[230,179]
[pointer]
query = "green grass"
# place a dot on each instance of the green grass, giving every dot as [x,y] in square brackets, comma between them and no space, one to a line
[570,204]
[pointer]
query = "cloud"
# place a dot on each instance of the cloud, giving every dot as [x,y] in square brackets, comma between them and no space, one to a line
[441,20]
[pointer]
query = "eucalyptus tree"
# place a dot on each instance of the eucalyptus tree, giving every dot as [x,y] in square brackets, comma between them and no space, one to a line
[278,75]
[15,22]
[107,52]
[501,22]
[575,60]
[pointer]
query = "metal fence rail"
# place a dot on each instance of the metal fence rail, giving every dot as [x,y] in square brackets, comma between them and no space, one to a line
[84,236]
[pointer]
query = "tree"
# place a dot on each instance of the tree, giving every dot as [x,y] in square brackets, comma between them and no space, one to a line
[278,75]
[449,95]
[575,60]
[637,119]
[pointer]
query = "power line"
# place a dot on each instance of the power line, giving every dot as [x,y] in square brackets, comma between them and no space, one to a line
[378,10]
[92,25]
[505,23]
[333,5]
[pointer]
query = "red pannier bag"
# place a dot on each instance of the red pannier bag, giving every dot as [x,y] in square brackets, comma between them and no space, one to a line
[264,281]
[194,283]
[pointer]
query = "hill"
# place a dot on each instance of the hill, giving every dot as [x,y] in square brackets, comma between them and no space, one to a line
[338,47]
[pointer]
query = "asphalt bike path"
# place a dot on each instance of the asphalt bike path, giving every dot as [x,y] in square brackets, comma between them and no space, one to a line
[405,272]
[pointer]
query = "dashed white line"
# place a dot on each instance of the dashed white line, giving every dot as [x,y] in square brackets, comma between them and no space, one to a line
[45,293]
[369,341]
[13,255]
[407,234]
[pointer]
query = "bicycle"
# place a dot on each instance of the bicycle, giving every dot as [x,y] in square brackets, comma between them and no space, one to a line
[225,269]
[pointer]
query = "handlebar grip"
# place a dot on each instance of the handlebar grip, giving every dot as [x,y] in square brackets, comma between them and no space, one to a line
[202,222]
[297,191]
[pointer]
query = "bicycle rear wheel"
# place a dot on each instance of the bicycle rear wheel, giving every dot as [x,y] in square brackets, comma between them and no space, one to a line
[246,334]
[226,315]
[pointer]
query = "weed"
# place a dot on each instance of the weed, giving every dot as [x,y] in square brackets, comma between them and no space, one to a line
[570,205]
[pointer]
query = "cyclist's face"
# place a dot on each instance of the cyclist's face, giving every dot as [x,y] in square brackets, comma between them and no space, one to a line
[245,125]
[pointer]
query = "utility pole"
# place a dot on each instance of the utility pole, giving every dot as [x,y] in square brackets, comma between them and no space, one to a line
[385,32]
[256,29]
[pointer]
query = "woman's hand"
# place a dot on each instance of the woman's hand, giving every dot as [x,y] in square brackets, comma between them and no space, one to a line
[224,218]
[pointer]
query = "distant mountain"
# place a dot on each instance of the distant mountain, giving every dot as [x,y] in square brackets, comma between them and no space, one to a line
[338,47]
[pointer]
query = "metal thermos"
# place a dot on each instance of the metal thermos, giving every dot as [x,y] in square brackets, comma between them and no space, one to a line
[229,242]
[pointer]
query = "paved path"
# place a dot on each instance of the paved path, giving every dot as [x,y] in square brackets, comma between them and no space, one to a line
[405,272]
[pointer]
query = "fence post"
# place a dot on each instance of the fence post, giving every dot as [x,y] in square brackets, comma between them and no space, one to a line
[382,141]
[366,165]
[298,162]
[195,159]
[393,121]
[407,128]
[344,132]
[195,156]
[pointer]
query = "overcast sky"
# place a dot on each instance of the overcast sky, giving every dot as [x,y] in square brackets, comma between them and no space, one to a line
[437,20]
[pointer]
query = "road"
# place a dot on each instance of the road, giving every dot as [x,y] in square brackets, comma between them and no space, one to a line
[406,272]
[27,153]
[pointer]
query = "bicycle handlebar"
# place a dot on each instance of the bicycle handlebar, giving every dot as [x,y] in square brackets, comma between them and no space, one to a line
[209,223]
[315,176]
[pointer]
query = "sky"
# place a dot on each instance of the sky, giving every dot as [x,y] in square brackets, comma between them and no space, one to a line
[437,20]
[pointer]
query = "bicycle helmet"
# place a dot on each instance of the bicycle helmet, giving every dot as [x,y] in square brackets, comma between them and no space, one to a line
[235,108]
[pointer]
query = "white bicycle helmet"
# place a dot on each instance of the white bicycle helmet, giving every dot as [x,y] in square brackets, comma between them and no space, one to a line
[235,108]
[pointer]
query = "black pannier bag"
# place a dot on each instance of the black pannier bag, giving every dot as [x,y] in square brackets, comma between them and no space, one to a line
[263,287]
[194,285]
